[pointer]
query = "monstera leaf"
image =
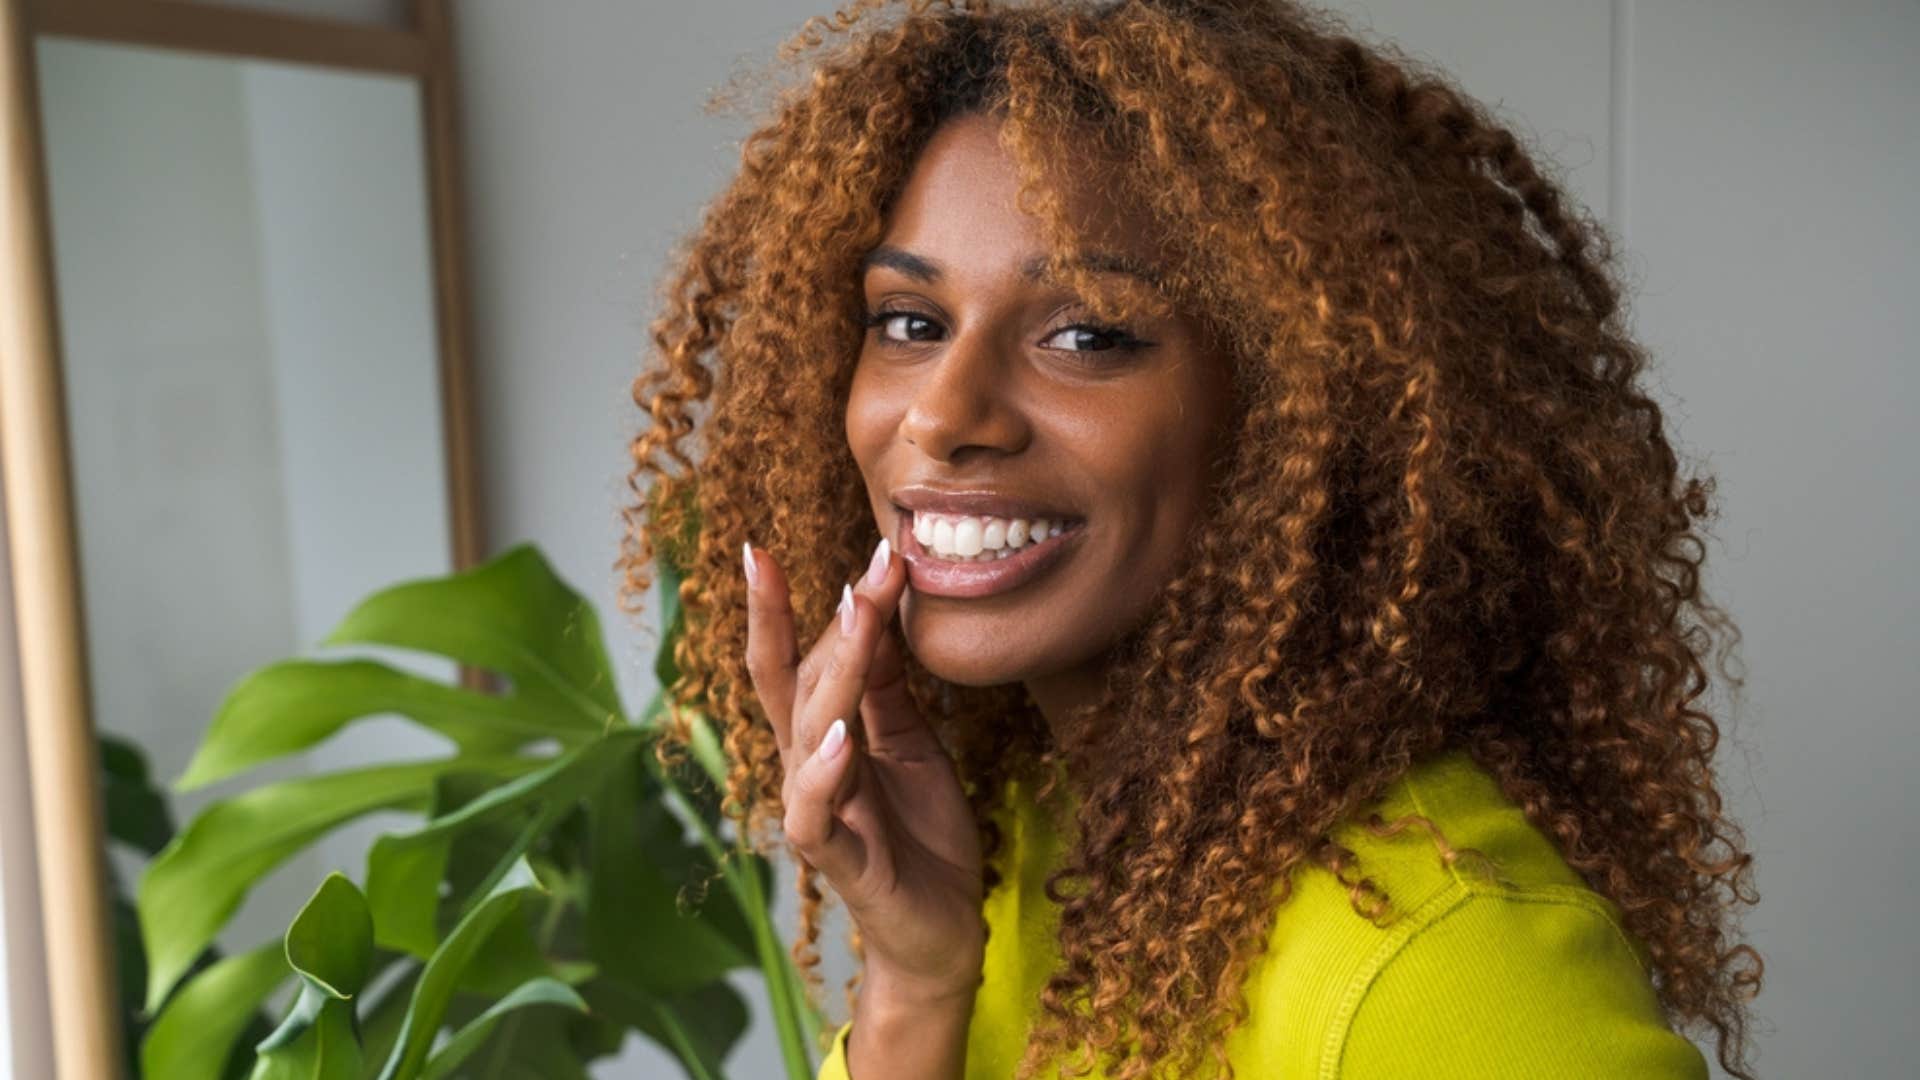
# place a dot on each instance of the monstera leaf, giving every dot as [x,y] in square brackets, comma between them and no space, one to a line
[551,900]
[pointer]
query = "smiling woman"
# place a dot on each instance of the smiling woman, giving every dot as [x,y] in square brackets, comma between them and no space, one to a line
[1182,551]
[987,401]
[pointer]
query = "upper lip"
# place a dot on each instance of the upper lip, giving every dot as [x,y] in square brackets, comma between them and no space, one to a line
[983,502]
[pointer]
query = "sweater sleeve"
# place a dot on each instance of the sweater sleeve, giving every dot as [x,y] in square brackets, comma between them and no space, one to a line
[835,1066]
[1509,984]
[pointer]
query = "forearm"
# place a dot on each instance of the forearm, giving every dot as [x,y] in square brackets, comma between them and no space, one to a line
[899,1034]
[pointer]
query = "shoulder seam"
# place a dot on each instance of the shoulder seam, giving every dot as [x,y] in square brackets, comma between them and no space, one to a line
[1435,908]
[1597,903]
[1421,920]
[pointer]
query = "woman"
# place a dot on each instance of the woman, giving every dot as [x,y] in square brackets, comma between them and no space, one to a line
[1173,480]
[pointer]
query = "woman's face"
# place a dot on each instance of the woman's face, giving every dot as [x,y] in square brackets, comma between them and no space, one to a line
[982,406]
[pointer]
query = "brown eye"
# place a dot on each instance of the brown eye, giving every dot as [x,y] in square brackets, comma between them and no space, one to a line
[1087,337]
[884,318]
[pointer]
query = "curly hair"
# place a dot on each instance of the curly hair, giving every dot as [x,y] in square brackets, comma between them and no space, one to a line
[1450,515]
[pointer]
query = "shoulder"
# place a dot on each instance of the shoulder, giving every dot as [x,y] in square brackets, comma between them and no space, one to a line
[1537,982]
[1499,963]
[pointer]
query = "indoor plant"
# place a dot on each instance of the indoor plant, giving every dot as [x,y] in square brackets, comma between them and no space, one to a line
[540,911]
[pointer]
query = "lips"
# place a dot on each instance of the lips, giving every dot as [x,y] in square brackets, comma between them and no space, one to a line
[929,574]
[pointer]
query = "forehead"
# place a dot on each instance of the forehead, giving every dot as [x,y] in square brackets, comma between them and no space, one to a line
[959,202]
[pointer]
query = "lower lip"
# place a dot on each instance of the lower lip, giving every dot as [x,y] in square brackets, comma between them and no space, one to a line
[933,576]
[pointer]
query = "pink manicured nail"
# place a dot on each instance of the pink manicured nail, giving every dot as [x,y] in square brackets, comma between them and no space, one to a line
[877,569]
[753,572]
[833,740]
[846,609]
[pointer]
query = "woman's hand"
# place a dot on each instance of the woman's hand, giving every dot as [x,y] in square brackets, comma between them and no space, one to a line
[890,826]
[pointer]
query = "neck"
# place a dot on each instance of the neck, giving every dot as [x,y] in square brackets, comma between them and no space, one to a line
[1060,694]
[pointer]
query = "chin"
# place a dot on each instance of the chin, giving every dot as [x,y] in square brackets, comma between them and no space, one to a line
[965,658]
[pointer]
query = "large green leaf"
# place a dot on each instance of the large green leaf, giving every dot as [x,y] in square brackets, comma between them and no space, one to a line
[192,1036]
[511,615]
[542,991]
[444,969]
[294,704]
[700,1026]
[315,1042]
[381,1017]
[330,947]
[404,870]
[331,941]
[193,887]
[543,1044]
[636,927]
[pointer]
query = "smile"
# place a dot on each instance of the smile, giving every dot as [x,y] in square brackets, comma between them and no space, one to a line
[968,556]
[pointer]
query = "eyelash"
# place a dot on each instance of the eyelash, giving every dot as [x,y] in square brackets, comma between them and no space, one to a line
[1123,342]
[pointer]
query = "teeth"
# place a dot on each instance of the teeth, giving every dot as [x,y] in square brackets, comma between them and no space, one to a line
[966,537]
[978,539]
[994,536]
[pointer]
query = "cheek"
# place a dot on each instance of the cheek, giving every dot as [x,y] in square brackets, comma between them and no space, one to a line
[869,418]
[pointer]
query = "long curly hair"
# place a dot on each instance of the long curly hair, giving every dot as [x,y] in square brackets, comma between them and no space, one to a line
[1450,515]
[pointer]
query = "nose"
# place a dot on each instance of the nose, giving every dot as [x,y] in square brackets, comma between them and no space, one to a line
[965,404]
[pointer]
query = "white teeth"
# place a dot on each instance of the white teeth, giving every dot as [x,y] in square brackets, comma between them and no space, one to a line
[975,538]
[995,536]
[966,537]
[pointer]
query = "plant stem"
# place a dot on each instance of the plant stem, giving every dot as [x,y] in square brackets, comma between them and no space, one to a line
[792,1018]
[681,1041]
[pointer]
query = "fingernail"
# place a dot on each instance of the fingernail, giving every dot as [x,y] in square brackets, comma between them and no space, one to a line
[877,569]
[846,609]
[833,740]
[753,572]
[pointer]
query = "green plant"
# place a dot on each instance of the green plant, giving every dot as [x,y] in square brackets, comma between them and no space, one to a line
[540,911]
[139,820]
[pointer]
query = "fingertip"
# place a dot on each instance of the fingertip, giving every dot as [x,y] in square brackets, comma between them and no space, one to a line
[834,741]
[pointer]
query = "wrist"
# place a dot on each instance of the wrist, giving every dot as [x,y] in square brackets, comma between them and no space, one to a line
[907,1027]
[889,993]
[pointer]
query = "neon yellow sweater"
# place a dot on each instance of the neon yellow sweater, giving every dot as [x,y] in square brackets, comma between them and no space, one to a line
[1529,976]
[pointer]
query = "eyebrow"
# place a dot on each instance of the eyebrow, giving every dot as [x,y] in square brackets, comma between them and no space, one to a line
[927,271]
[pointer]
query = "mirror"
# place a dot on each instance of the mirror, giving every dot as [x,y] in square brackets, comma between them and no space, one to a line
[258,392]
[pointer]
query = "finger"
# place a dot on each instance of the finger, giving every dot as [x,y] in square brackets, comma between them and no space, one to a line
[810,823]
[884,580]
[834,674]
[771,654]
[890,719]
[881,582]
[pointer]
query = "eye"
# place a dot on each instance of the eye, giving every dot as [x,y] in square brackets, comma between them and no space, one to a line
[1089,337]
[887,316]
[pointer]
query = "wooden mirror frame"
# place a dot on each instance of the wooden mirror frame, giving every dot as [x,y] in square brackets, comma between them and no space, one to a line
[61,754]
